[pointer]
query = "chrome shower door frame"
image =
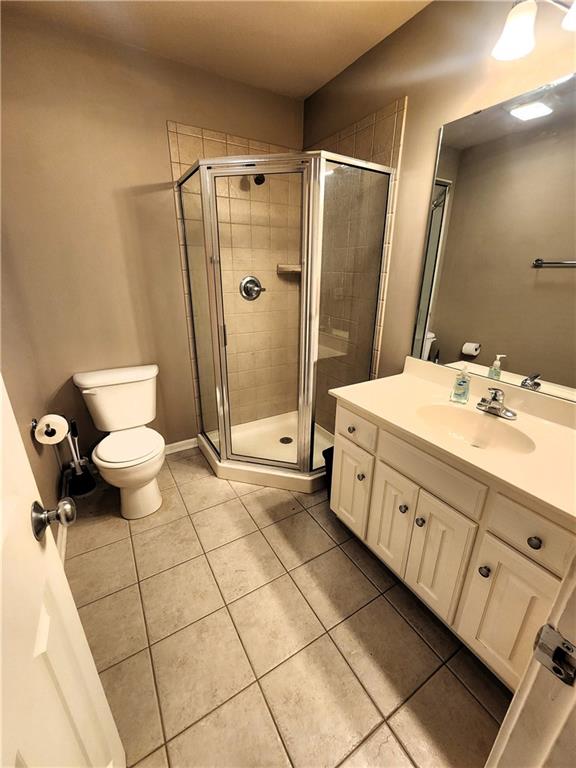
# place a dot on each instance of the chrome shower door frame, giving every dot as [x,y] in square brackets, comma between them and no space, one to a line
[312,166]
[240,166]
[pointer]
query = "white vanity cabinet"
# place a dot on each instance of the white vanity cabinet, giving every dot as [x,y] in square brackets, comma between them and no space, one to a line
[486,564]
[351,485]
[442,540]
[508,600]
[392,512]
[422,539]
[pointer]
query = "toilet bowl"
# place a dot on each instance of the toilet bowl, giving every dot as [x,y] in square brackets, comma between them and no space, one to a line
[121,401]
[131,460]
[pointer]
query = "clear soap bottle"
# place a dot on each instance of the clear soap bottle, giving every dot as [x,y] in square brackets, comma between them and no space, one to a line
[495,370]
[461,389]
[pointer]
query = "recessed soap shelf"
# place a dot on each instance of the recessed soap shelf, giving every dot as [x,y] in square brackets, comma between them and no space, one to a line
[288,269]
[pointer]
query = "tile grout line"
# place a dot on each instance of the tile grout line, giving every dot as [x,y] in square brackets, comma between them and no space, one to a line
[353,537]
[108,594]
[381,592]
[377,708]
[94,549]
[419,632]
[153,668]
[233,602]
[256,679]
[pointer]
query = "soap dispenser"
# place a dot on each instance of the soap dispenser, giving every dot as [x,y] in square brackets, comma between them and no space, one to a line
[461,389]
[494,371]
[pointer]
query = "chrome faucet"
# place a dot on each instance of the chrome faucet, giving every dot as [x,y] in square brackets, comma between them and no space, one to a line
[495,405]
[531,382]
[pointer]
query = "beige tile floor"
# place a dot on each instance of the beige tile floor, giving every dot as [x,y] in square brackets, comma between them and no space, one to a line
[241,626]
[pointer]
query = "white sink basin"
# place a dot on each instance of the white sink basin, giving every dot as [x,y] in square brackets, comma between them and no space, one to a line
[479,430]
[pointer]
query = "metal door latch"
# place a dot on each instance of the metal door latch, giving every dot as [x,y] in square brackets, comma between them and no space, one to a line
[556,654]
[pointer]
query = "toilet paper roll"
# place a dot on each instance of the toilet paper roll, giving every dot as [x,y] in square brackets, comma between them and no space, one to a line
[471,348]
[51,429]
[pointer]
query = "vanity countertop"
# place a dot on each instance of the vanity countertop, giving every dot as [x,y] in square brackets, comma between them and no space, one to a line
[533,454]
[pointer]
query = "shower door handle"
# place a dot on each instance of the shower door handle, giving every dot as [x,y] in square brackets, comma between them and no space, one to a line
[250,288]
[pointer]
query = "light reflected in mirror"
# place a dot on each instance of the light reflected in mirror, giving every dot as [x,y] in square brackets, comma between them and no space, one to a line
[500,258]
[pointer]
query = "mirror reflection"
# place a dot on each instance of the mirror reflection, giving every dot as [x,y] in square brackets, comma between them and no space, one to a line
[499,283]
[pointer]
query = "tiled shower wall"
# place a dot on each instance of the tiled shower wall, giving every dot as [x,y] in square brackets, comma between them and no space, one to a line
[377,138]
[263,338]
[259,227]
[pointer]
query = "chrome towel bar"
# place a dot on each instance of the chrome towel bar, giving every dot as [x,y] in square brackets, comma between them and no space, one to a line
[539,263]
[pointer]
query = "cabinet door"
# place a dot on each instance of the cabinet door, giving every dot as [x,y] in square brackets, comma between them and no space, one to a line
[351,485]
[508,601]
[392,511]
[439,551]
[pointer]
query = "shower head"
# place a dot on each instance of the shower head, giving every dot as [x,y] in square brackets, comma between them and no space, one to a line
[259,179]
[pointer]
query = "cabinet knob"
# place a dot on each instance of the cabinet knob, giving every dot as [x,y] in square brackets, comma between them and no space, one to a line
[484,571]
[361,476]
[420,522]
[534,542]
[351,429]
[403,508]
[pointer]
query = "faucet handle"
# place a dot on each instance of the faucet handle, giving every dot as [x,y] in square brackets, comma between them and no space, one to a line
[496,395]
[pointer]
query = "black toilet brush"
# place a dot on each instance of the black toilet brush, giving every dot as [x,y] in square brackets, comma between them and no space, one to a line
[80,482]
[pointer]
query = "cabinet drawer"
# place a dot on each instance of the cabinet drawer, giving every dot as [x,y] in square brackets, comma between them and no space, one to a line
[448,484]
[357,429]
[550,545]
[509,599]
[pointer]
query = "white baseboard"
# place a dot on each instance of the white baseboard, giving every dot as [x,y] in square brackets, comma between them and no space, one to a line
[182,445]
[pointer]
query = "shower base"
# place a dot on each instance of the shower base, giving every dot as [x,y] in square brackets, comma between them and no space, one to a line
[261,439]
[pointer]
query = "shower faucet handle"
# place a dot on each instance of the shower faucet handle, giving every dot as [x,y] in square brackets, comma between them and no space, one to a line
[250,288]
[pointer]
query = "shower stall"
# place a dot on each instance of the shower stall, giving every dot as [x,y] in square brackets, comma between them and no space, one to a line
[284,260]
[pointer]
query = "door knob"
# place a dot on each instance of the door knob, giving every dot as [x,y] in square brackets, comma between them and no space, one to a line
[420,522]
[403,508]
[361,476]
[484,571]
[65,514]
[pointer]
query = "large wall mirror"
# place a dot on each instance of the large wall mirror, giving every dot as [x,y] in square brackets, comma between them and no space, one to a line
[500,262]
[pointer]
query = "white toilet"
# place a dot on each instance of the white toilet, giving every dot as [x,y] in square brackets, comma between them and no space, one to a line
[121,401]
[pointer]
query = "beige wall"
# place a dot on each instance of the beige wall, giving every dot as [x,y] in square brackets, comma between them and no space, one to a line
[514,201]
[441,60]
[91,266]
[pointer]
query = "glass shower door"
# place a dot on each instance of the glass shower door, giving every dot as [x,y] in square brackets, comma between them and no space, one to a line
[259,234]
[354,222]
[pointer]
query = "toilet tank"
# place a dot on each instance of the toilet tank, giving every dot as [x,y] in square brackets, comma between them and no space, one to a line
[119,398]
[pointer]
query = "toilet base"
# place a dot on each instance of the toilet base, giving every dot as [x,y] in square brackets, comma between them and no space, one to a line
[140,501]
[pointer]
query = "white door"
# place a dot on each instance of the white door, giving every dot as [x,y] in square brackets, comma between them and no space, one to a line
[539,730]
[508,600]
[351,485]
[392,511]
[54,709]
[439,551]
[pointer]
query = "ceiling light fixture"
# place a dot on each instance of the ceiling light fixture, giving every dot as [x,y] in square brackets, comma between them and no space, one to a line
[517,38]
[531,111]
[569,21]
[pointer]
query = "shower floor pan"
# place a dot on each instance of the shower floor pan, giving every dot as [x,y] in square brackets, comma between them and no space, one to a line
[262,439]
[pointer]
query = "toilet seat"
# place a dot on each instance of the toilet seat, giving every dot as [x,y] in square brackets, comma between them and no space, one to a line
[128,447]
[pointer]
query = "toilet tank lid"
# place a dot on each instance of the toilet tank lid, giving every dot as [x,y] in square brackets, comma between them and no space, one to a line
[112,376]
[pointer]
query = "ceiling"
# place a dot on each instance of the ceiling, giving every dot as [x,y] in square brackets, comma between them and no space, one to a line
[290,48]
